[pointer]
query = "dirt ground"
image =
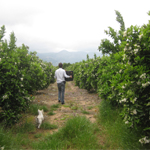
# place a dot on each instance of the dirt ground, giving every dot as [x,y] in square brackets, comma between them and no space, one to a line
[77,102]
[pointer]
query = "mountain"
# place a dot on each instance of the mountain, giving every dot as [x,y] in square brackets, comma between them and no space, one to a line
[66,57]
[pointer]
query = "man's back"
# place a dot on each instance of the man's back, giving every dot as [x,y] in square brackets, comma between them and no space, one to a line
[60,75]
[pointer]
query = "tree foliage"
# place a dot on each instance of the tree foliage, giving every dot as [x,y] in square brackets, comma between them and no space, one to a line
[108,47]
[123,78]
[21,74]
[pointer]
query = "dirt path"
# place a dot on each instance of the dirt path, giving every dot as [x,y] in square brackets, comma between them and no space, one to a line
[77,102]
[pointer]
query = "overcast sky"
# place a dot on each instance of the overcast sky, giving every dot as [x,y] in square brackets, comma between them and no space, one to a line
[73,25]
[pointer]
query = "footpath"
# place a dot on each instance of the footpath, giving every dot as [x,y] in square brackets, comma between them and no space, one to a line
[77,102]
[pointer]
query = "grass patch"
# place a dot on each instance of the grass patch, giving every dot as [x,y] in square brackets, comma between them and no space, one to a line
[12,141]
[78,133]
[25,128]
[38,135]
[74,107]
[6,139]
[118,135]
[54,107]
[47,125]
[51,113]
[89,107]
[45,109]
[33,109]
[85,112]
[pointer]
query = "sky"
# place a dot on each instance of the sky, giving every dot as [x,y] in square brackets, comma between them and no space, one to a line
[72,25]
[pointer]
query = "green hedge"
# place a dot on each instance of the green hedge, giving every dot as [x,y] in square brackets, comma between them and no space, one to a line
[21,74]
[123,78]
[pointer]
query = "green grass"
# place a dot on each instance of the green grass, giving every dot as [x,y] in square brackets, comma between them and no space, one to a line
[118,135]
[55,106]
[85,112]
[75,107]
[25,128]
[78,133]
[89,107]
[47,125]
[38,135]
[6,139]
[33,109]
[51,113]
[11,138]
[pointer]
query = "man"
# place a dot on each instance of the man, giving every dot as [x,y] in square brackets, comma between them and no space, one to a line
[60,75]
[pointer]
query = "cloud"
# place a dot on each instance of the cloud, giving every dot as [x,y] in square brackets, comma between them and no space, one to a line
[54,25]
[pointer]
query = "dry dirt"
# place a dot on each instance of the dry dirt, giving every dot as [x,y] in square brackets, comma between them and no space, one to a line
[77,102]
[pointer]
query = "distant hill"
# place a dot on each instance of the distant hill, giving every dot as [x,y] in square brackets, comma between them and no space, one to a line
[66,57]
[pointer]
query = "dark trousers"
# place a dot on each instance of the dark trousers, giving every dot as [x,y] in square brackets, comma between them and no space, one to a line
[61,91]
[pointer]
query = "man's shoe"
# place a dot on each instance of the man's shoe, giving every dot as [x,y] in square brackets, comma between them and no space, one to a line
[59,101]
[62,103]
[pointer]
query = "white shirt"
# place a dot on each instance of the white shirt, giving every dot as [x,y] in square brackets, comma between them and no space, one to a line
[60,75]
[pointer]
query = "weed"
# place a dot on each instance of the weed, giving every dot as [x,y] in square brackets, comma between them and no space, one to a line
[33,109]
[74,107]
[47,125]
[89,107]
[55,106]
[78,133]
[25,127]
[38,135]
[119,136]
[85,112]
[45,109]
[51,113]
[7,140]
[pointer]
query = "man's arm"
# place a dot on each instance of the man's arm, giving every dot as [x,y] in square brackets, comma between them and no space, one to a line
[66,75]
[55,75]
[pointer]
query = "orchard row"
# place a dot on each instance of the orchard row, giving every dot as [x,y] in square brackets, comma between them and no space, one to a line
[122,77]
[21,74]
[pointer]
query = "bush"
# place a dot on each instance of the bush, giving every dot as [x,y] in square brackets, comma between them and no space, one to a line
[21,74]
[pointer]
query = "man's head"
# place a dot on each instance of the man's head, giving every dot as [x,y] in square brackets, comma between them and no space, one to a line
[60,65]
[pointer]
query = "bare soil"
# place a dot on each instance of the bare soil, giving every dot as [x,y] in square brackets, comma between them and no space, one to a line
[77,102]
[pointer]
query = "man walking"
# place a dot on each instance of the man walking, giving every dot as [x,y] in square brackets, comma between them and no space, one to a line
[60,75]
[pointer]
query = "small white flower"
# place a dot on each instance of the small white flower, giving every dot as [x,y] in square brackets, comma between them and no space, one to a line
[123,87]
[135,51]
[21,79]
[127,44]
[143,76]
[21,85]
[134,112]
[138,83]
[125,48]
[2,148]
[123,100]
[145,84]
[5,97]
[0,59]
[126,122]
[144,140]
[124,33]
[140,36]
[130,48]
[129,63]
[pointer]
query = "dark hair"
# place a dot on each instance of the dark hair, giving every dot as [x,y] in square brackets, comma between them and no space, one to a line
[60,65]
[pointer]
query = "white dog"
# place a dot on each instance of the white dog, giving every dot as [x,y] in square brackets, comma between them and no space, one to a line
[40,117]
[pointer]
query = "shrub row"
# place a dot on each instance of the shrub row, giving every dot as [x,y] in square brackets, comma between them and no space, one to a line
[123,78]
[21,74]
